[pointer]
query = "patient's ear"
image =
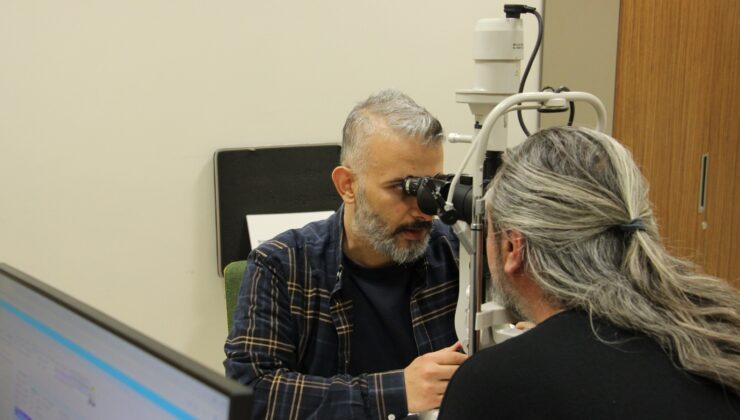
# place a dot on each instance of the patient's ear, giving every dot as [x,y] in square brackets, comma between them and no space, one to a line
[344,183]
[512,250]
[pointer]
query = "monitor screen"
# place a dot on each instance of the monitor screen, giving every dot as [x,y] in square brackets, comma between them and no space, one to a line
[61,359]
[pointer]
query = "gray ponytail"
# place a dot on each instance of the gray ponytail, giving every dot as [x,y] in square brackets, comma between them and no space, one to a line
[568,191]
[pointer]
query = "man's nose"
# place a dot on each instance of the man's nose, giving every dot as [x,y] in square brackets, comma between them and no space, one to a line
[416,211]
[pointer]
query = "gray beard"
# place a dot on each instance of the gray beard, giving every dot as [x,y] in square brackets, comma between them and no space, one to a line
[382,237]
[504,293]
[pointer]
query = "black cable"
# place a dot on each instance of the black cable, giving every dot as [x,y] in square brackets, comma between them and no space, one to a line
[572,114]
[529,64]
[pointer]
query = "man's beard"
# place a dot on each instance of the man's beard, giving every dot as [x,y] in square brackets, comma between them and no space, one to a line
[503,292]
[382,237]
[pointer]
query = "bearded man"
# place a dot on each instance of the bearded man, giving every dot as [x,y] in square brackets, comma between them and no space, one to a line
[352,317]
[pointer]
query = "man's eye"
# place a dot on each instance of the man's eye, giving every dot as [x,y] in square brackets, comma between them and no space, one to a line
[395,184]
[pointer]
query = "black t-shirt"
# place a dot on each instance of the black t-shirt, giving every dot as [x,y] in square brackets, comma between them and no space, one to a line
[382,338]
[560,370]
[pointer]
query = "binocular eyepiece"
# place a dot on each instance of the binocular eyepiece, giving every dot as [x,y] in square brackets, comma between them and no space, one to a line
[431,195]
[431,191]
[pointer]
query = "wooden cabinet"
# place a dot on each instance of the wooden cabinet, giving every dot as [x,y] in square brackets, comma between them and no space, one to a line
[677,100]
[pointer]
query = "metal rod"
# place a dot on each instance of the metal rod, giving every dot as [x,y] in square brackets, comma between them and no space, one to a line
[476,288]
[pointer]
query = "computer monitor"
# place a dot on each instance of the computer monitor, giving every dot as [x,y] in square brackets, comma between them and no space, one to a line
[61,359]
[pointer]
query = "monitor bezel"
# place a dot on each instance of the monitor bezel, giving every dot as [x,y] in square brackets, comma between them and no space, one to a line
[239,395]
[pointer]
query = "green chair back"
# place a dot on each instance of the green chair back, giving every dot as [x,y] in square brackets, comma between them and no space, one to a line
[233,275]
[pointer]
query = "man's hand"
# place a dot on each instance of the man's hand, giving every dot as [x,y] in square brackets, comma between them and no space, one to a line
[427,376]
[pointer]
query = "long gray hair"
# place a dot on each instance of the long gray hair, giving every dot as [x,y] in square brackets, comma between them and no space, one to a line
[568,191]
[395,110]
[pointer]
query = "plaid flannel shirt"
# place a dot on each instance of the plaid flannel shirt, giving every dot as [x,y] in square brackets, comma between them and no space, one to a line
[291,332]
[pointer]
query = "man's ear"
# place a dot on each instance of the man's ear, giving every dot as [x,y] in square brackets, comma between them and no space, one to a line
[343,182]
[512,250]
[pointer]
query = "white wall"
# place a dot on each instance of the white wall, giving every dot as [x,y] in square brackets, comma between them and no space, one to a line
[110,113]
[584,63]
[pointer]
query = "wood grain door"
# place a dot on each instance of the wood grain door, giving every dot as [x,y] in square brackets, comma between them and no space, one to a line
[677,107]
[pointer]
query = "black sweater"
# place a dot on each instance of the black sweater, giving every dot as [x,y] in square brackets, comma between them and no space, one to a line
[560,370]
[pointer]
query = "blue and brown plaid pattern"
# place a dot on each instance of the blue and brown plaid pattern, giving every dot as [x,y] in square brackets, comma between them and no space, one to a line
[291,334]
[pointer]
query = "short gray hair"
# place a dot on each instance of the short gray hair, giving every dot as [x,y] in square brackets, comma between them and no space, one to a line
[399,113]
[567,190]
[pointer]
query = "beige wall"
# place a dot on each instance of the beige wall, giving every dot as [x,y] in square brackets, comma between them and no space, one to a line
[580,51]
[110,113]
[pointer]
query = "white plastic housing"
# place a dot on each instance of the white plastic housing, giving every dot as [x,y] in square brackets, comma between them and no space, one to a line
[498,45]
[497,53]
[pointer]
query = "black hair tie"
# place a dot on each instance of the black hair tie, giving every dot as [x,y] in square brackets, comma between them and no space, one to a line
[633,225]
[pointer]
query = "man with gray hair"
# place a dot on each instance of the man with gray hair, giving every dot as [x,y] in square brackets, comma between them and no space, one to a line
[624,329]
[353,317]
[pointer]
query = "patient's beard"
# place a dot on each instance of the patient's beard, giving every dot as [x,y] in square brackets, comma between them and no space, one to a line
[504,292]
